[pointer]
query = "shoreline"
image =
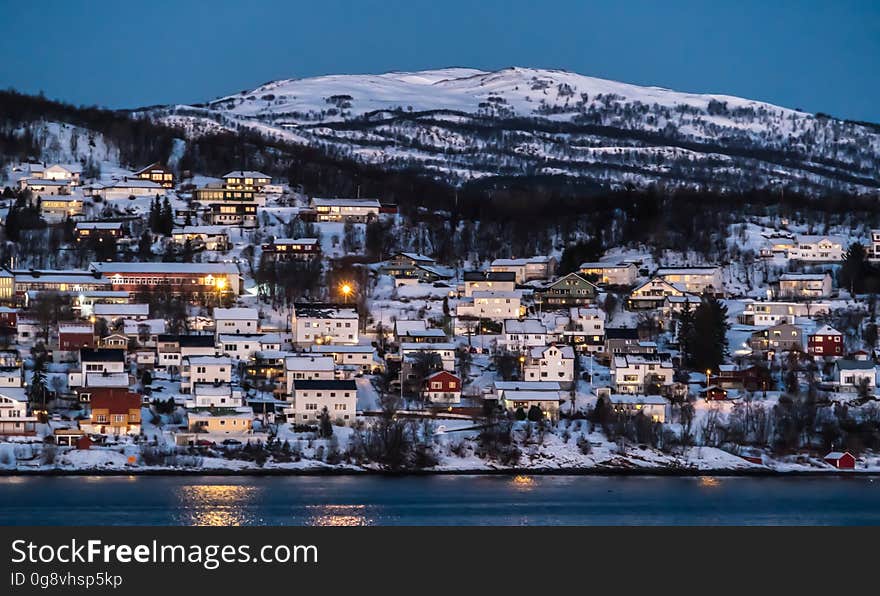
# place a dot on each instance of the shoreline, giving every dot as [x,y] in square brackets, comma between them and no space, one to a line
[629,472]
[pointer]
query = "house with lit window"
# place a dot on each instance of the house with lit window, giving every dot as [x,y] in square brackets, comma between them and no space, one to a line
[351,358]
[242,346]
[99,230]
[803,286]
[771,312]
[653,293]
[567,291]
[172,349]
[644,373]
[345,210]
[204,369]
[610,274]
[307,367]
[233,213]
[202,237]
[324,324]
[550,363]
[156,173]
[15,418]
[235,421]
[310,398]
[246,180]
[495,305]
[652,406]
[236,320]
[526,269]
[291,249]
[210,395]
[694,280]
[196,281]
[442,387]
[523,395]
[817,249]
[783,337]
[584,330]
[825,342]
[488,281]
[115,411]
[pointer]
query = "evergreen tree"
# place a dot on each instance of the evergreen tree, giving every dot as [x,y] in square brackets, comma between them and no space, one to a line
[325,426]
[37,388]
[145,244]
[166,221]
[685,331]
[854,269]
[708,338]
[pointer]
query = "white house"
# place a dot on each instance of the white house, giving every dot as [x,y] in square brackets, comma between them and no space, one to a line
[488,281]
[350,210]
[446,352]
[494,305]
[611,274]
[111,312]
[527,269]
[311,397]
[362,358]
[204,369]
[14,418]
[205,395]
[99,368]
[653,293]
[817,249]
[59,171]
[694,280]
[308,368]
[652,406]
[804,285]
[236,320]
[771,312]
[520,335]
[315,323]
[640,373]
[550,363]
[852,373]
[10,376]
[242,346]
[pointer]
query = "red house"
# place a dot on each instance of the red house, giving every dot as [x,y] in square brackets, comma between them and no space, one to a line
[442,387]
[8,318]
[73,337]
[841,460]
[826,341]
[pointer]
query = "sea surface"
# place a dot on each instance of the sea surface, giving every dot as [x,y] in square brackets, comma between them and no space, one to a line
[437,500]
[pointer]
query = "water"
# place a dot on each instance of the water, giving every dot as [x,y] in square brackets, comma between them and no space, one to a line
[436,500]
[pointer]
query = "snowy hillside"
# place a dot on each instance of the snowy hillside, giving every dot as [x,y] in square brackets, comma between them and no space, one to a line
[461,123]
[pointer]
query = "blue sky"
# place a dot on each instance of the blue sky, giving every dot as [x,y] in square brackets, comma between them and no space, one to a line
[817,56]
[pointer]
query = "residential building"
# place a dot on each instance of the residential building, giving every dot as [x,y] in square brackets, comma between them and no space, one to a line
[224,421]
[527,269]
[825,341]
[236,320]
[488,281]
[803,286]
[157,173]
[357,358]
[346,210]
[192,280]
[521,335]
[308,368]
[14,415]
[694,280]
[99,368]
[324,323]
[766,313]
[204,369]
[291,249]
[172,349]
[202,237]
[644,374]
[495,305]
[652,406]
[610,274]
[817,249]
[101,230]
[114,412]
[442,387]
[567,291]
[550,363]
[854,374]
[209,395]
[653,293]
[310,398]
[783,337]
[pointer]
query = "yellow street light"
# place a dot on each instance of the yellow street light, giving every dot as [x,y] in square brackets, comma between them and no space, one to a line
[346,290]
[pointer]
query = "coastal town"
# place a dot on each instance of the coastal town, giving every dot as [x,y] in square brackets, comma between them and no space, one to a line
[160,319]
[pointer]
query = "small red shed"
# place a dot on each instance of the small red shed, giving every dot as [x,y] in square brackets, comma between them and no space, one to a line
[842,460]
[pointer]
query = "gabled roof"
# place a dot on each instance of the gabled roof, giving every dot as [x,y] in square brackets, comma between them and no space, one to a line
[826,330]
[92,355]
[246,174]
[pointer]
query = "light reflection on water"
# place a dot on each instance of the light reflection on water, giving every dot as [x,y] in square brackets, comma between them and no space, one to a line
[218,504]
[338,515]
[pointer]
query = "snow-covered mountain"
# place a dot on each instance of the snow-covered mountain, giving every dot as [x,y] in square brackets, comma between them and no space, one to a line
[461,124]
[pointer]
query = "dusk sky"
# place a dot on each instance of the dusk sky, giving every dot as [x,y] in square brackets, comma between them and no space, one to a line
[817,56]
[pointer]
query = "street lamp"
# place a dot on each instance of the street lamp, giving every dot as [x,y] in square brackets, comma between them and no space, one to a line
[346,289]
